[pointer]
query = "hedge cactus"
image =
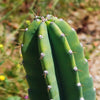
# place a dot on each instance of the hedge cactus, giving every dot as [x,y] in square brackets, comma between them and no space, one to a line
[54,62]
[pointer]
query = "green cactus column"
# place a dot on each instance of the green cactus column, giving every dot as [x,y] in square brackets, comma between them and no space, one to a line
[81,62]
[66,64]
[37,85]
[38,63]
[47,62]
[54,62]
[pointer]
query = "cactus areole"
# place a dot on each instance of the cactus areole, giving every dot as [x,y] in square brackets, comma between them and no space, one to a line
[54,61]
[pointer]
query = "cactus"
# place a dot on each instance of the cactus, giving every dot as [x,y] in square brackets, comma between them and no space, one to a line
[54,61]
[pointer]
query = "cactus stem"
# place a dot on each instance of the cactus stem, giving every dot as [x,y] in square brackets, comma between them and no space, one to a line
[75,68]
[82,98]
[26,29]
[40,36]
[42,55]
[79,84]
[49,87]
[48,75]
[63,35]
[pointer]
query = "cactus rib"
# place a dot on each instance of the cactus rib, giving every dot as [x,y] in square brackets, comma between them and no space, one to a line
[80,60]
[37,85]
[63,56]
[47,62]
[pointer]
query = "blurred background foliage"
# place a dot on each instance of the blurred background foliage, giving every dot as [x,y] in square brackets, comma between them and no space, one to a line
[15,15]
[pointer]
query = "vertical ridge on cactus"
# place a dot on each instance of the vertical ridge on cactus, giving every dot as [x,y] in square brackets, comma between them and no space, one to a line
[54,62]
[47,62]
[65,60]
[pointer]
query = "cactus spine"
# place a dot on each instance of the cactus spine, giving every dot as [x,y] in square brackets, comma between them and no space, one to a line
[54,62]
